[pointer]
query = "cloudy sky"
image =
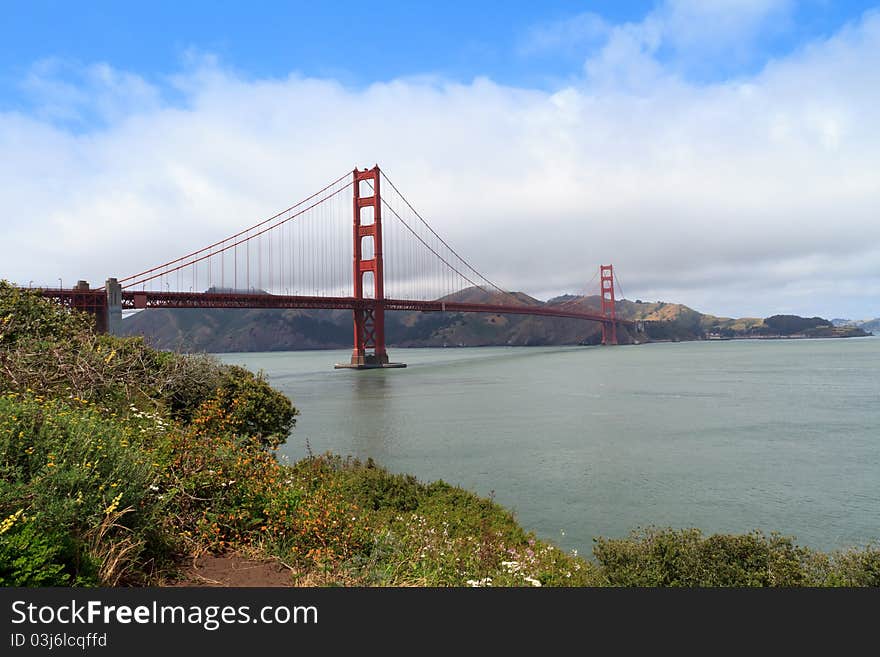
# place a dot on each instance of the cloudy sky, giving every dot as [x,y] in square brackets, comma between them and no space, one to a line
[724,154]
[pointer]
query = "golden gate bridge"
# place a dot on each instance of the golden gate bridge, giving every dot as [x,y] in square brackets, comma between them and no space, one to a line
[356,244]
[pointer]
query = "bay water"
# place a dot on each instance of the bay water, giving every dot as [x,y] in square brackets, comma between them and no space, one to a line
[580,442]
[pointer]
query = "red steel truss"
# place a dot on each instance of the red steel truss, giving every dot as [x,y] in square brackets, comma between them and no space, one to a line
[606,288]
[135,300]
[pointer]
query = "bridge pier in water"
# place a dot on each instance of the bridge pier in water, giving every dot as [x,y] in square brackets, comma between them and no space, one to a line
[369,313]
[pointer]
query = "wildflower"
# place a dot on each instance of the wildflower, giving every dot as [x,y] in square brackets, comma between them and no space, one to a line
[532,581]
[114,504]
[11,520]
[486,581]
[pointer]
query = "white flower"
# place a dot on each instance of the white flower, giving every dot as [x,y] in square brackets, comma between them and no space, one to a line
[532,581]
[486,581]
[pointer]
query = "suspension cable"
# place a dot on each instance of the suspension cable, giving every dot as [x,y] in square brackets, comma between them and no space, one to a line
[442,241]
[238,234]
[229,246]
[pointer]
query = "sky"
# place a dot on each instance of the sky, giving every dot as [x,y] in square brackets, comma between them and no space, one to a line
[723,154]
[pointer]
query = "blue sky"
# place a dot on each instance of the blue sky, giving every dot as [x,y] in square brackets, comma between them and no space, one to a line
[707,148]
[357,42]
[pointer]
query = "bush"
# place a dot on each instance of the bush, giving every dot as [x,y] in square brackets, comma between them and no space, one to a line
[27,317]
[851,567]
[251,407]
[84,480]
[50,350]
[669,557]
[29,555]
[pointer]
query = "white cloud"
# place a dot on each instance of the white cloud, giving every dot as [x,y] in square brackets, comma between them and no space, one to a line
[740,197]
[570,34]
[697,38]
[76,94]
[721,26]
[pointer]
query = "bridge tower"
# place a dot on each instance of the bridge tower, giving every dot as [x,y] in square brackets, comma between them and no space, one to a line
[606,288]
[369,313]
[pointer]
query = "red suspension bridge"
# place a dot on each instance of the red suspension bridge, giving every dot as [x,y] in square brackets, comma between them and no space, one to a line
[356,244]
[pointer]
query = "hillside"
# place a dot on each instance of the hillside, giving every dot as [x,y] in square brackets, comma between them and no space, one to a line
[864,324]
[222,330]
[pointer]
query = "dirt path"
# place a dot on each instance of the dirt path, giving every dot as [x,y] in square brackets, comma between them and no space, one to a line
[233,570]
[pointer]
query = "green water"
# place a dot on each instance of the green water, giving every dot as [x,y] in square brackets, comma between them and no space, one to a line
[588,441]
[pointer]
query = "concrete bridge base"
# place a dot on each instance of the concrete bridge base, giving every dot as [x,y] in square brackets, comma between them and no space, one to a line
[114,306]
[368,366]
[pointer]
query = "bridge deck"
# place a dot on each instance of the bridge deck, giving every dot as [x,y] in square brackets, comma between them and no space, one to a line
[156,299]
[148,299]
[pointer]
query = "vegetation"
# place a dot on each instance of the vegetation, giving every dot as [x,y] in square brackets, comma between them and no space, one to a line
[667,557]
[118,462]
[791,324]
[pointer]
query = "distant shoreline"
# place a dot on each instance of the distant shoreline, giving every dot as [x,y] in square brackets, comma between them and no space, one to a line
[781,337]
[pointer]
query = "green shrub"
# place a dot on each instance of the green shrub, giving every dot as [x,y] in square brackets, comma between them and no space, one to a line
[29,555]
[669,557]
[254,408]
[853,567]
[27,317]
[84,480]
[375,488]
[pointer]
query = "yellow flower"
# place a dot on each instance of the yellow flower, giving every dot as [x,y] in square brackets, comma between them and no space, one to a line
[8,522]
[113,505]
